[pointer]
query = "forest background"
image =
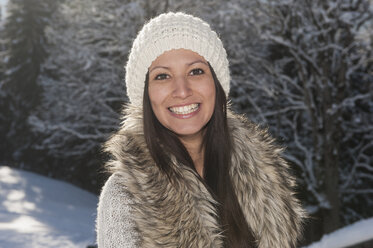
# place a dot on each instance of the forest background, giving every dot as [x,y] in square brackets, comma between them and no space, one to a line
[302,68]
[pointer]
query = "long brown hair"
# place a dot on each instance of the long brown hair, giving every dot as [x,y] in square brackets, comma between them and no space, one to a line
[217,161]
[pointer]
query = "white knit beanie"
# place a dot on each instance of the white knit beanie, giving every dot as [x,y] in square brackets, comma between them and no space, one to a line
[173,31]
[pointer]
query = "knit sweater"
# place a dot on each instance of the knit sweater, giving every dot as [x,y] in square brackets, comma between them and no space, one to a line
[114,223]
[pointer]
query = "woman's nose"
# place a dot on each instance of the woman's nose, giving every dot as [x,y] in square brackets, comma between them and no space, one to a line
[181,88]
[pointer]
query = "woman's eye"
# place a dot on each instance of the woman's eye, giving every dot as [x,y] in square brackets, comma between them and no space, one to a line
[162,76]
[197,71]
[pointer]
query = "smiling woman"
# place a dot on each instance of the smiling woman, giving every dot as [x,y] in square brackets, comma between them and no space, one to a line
[186,171]
[182,91]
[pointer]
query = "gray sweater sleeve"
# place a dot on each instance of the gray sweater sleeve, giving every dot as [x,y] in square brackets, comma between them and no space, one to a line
[114,225]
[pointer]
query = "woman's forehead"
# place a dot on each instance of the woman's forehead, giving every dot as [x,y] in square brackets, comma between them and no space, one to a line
[177,56]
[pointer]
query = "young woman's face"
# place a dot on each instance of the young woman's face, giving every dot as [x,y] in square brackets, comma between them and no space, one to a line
[181,91]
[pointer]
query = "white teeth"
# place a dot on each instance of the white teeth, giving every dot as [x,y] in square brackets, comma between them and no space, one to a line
[185,109]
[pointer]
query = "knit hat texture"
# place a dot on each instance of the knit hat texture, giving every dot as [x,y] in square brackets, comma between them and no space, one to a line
[173,31]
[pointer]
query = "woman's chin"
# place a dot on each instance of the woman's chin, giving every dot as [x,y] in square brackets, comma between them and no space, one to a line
[189,133]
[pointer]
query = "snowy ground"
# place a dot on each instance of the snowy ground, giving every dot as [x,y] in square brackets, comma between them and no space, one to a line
[3,7]
[38,212]
[356,233]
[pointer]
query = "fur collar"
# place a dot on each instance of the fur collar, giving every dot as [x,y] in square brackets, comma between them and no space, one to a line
[184,215]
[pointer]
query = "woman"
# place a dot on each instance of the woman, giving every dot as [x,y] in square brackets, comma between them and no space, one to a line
[186,171]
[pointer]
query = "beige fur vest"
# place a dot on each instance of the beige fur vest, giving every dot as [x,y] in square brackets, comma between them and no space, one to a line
[183,215]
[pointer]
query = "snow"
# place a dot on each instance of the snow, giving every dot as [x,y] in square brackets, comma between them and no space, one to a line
[355,233]
[3,4]
[37,211]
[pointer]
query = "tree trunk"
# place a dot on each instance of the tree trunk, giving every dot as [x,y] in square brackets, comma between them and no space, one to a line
[330,163]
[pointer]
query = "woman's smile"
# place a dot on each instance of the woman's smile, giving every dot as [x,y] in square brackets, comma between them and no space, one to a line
[185,111]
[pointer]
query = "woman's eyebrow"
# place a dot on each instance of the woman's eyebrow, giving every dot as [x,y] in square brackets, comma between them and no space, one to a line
[167,68]
[197,61]
[158,67]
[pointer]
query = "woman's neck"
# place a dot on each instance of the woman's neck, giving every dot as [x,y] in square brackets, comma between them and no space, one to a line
[196,151]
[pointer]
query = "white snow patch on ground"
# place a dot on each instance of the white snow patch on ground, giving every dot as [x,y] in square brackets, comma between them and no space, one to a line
[37,211]
[355,233]
[3,4]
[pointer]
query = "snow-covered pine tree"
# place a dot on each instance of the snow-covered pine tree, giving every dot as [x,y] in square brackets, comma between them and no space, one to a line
[22,52]
[3,116]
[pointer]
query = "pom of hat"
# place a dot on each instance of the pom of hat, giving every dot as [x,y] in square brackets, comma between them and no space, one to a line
[173,31]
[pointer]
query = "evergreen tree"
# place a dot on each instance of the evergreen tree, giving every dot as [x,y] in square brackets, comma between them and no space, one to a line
[22,52]
[2,95]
